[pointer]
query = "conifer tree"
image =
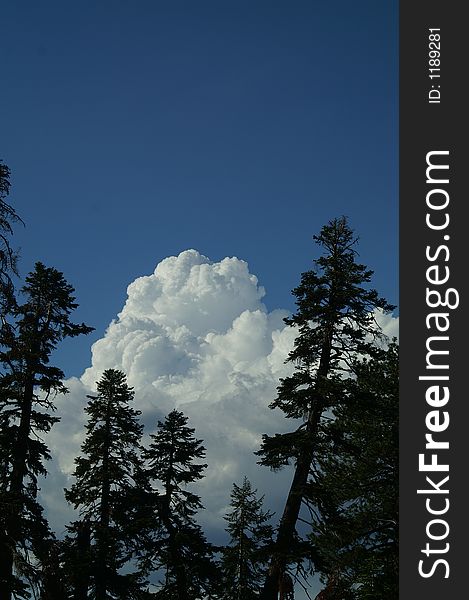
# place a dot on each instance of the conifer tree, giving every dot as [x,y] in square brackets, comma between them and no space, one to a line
[176,546]
[53,584]
[105,476]
[355,530]
[244,559]
[28,384]
[75,560]
[8,257]
[335,323]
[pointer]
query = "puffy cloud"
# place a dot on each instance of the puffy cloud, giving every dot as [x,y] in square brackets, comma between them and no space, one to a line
[388,324]
[196,336]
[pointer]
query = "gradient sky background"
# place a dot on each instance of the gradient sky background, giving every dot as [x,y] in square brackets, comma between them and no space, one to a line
[136,130]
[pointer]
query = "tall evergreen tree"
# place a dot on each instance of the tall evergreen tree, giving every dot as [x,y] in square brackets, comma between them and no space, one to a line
[176,545]
[75,560]
[105,476]
[335,322]
[28,384]
[53,584]
[245,558]
[355,530]
[8,257]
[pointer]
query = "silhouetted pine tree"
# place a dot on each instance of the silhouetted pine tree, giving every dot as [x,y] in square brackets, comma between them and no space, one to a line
[8,257]
[53,582]
[176,547]
[245,558]
[76,560]
[355,531]
[28,385]
[335,323]
[105,475]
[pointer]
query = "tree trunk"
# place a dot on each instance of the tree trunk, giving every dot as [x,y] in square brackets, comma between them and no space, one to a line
[13,515]
[101,566]
[287,526]
[6,569]
[175,558]
[82,576]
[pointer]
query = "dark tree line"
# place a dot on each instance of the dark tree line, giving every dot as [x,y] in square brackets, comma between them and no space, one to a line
[136,536]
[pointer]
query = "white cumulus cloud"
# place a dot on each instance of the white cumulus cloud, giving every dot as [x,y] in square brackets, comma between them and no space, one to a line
[196,336]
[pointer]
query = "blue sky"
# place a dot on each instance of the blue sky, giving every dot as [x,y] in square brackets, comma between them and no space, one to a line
[136,130]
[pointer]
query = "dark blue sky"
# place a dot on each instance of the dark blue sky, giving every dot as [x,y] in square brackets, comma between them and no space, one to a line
[135,130]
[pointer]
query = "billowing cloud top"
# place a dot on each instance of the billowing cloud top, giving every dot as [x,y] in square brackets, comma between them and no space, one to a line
[196,336]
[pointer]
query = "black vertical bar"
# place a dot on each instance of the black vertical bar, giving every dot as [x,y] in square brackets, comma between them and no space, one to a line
[433,260]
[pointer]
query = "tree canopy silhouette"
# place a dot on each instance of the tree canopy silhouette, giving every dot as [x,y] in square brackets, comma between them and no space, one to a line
[335,323]
[31,330]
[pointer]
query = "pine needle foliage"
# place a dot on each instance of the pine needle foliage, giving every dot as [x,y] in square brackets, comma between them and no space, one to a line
[32,329]
[335,322]
[106,475]
[245,558]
